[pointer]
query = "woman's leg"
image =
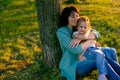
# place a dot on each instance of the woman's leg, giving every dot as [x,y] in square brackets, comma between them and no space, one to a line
[114,65]
[111,74]
[84,67]
[110,52]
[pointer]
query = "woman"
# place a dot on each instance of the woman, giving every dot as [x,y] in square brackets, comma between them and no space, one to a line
[69,64]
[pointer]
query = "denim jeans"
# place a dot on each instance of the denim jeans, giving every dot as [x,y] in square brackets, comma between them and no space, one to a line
[113,69]
[113,72]
[110,53]
[94,53]
[84,67]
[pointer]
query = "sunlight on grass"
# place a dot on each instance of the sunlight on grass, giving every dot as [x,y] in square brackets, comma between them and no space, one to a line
[6,56]
[18,2]
[20,46]
[36,48]
[20,41]
[16,54]
[2,66]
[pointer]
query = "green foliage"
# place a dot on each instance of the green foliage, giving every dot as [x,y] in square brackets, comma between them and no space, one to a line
[4,4]
[20,52]
[19,18]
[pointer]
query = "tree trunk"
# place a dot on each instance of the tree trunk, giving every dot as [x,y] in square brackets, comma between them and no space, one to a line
[48,12]
[73,1]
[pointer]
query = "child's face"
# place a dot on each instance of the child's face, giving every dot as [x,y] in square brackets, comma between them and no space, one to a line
[82,27]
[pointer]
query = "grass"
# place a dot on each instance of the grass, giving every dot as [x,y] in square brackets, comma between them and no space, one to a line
[20,52]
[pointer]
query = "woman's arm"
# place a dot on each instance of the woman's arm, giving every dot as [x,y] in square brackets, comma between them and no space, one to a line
[65,40]
[93,34]
[90,35]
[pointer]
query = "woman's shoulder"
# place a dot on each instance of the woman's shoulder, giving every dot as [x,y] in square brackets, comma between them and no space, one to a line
[65,30]
[61,29]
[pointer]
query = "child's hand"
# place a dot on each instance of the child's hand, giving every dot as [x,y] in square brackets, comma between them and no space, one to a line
[97,44]
[81,57]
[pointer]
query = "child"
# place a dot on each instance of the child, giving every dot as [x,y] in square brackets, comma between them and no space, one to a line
[83,30]
[93,52]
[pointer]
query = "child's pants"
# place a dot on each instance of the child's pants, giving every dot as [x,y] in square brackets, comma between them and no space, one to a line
[112,66]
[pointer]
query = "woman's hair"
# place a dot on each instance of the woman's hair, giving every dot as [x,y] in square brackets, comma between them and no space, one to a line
[65,14]
[84,18]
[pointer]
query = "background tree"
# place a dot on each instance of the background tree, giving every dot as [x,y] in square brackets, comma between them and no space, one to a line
[48,12]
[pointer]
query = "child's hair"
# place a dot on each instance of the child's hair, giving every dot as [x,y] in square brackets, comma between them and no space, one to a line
[84,18]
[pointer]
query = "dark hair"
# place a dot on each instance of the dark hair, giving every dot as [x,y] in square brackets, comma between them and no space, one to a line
[65,14]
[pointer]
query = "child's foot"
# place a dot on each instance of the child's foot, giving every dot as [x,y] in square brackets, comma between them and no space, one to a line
[102,77]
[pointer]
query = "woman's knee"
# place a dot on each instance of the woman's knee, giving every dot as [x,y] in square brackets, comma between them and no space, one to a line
[109,50]
[110,53]
[85,66]
[113,50]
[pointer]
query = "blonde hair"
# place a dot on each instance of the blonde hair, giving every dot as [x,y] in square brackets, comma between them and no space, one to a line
[84,18]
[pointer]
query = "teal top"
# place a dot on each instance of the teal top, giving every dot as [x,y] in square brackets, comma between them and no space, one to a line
[69,58]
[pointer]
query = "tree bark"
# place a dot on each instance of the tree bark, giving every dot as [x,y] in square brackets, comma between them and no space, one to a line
[73,1]
[48,12]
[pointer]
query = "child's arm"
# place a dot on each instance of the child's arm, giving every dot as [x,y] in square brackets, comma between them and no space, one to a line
[76,35]
[80,36]
[91,34]
[86,36]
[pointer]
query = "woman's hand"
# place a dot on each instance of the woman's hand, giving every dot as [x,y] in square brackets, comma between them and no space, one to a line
[74,42]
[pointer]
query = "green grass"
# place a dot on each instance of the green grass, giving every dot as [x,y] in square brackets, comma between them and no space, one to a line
[20,52]
[17,18]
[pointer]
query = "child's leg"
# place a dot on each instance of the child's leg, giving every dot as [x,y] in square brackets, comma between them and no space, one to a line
[110,52]
[99,58]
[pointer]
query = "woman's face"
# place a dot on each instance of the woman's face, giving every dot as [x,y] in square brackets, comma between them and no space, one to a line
[72,19]
[83,27]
